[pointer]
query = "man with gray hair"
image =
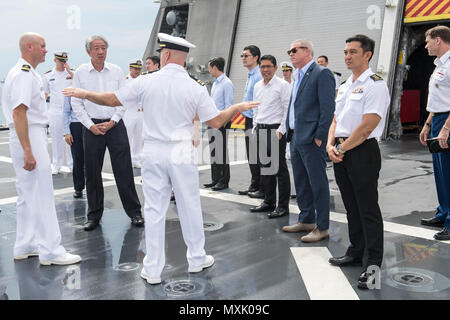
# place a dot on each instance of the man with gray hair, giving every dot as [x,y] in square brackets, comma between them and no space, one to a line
[25,111]
[309,117]
[104,128]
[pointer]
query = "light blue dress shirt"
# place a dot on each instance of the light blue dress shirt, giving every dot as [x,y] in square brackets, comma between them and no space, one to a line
[253,77]
[298,76]
[68,115]
[222,92]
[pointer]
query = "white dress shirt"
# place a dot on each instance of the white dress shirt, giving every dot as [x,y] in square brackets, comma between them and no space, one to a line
[23,85]
[274,98]
[54,83]
[439,87]
[110,79]
[363,96]
[170,99]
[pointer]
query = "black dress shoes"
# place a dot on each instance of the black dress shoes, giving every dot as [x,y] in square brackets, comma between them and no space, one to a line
[277,213]
[91,225]
[78,194]
[209,185]
[137,221]
[443,235]
[263,207]
[245,192]
[366,279]
[256,195]
[220,186]
[432,222]
[345,261]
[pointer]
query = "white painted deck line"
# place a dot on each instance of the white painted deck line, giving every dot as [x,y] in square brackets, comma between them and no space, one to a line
[322,280]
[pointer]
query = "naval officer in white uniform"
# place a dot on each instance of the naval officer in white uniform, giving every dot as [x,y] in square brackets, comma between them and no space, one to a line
[55,80]
[24,107]
[133,117]
[171,99]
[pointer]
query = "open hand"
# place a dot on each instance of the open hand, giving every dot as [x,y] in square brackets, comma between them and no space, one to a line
[75,92]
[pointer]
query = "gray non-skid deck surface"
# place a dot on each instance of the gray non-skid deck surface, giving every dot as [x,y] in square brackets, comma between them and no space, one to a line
[253,256]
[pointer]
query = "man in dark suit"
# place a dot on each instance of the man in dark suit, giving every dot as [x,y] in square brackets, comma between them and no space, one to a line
[309,117]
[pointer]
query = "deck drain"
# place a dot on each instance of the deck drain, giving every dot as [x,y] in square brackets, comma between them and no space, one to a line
[183,288]
[129,266]
[212,226]
[416,280]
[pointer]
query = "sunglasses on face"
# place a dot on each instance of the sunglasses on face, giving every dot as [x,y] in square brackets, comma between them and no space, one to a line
[294,50]
[246,55]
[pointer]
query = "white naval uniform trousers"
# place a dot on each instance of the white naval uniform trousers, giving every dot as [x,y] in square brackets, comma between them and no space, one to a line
[160,173]
[134,122]
[37,223]
[54,83]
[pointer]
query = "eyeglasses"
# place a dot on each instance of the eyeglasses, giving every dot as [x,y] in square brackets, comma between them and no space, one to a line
[294,50]
[246,55]
[266,67]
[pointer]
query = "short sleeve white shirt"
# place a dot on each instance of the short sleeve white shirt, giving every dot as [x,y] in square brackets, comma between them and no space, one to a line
[356,98]
[439,86]
[23,85]
[170,100]
[54,83]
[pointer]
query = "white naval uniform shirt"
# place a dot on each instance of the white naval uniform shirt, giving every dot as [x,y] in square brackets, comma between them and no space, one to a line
[24,87]
[54,83]
[132,107]
[363,96]
[170,99]
[439,86]
[274,98]
[110,79]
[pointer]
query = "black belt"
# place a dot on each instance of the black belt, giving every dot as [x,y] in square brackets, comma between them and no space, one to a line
[433,114]
[100,120]
[340,140]
[268,126]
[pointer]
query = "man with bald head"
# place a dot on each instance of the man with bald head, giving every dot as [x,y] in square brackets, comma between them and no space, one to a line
[171,99]
[24,108]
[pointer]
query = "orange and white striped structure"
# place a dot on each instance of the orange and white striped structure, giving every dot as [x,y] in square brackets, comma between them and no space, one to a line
[426,10]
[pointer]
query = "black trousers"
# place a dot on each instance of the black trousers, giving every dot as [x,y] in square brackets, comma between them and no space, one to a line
[77,150]
[116,140]
[220,164]
[273,166]
[254,167]
[357,179]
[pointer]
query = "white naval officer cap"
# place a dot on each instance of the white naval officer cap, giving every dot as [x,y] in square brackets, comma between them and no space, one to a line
[136,63]
[61,56]
[287,66]
[175,43]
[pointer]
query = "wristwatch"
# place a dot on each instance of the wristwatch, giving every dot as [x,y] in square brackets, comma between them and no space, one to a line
[339,149]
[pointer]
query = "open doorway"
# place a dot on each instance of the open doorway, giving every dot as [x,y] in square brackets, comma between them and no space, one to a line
[419,67]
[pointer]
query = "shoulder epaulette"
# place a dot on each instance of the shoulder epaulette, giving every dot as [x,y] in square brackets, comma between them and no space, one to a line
[376,77]
[25,67]
[339,74]
[48,71]
[200,82]
[148,72]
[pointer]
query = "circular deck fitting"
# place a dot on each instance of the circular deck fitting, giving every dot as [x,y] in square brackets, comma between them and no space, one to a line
[183,288]
[212,226]
[129,266]
[416,280]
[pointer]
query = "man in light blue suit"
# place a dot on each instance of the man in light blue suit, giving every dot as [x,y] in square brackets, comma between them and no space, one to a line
[309,117]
